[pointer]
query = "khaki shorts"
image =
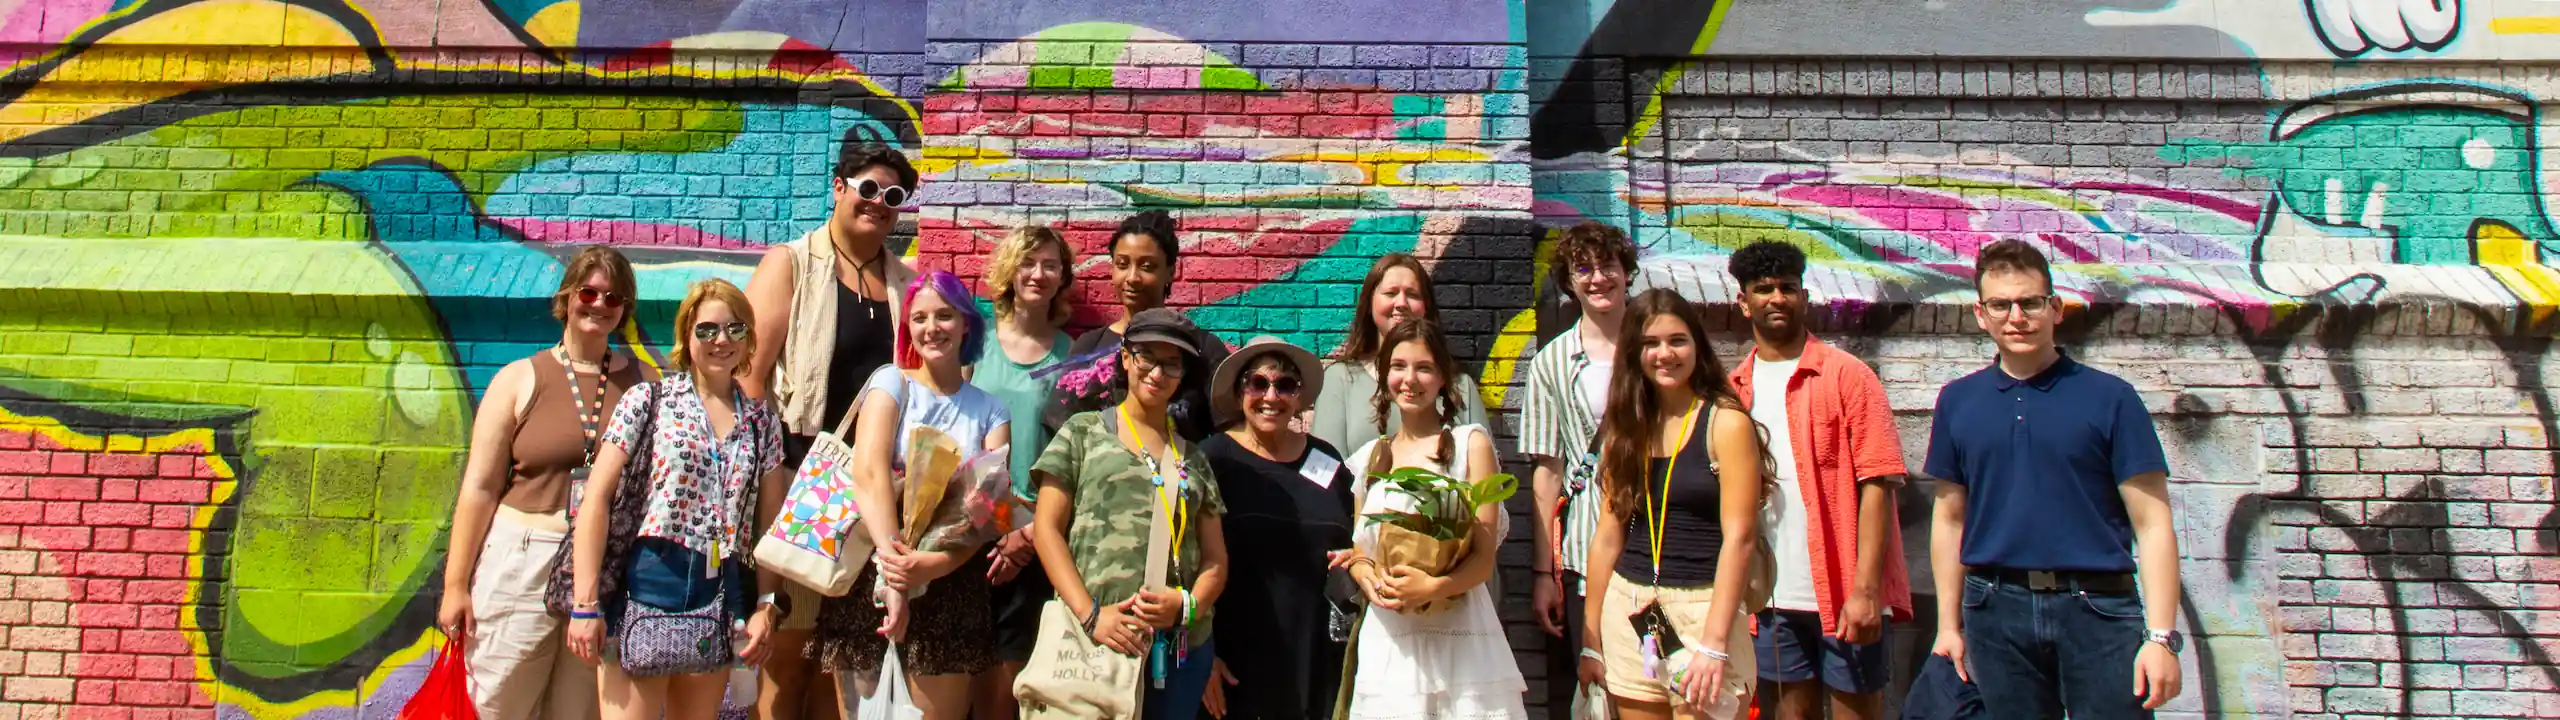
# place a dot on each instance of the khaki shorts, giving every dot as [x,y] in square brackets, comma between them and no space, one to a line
[1687,608]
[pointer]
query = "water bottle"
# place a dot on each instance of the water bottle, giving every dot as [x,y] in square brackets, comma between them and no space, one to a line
[1721,702]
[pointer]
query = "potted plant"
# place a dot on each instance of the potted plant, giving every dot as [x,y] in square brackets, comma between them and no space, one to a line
[1434,536]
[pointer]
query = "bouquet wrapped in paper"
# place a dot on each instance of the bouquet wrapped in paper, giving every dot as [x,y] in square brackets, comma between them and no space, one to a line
[951,501]
[1434,536]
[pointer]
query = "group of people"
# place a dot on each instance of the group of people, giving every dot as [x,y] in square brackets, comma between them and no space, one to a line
[1212,510]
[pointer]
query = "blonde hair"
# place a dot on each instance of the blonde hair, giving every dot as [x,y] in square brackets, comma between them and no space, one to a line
[706,291]
[1016,248]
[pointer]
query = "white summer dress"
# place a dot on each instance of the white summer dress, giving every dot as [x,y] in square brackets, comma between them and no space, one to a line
[1453,664]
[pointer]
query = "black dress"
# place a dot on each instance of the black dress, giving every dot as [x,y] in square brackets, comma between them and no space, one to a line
[1272,617]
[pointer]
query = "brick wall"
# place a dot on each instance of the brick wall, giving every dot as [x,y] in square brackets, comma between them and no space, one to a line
[256,260]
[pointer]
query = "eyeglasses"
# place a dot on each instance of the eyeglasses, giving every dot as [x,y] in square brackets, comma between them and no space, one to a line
[1142,363]
[592,296]
[1608,271]
[705,331]
[2032,306]
[872,190]
[1282,386]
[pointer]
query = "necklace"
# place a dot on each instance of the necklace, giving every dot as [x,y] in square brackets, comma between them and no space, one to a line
[877,256]
[587,415]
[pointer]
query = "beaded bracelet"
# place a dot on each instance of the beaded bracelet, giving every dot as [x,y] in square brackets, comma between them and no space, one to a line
[585,615]
[1187,607]
[1716,655]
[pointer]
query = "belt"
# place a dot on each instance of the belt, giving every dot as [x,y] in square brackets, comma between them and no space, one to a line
[2104,583]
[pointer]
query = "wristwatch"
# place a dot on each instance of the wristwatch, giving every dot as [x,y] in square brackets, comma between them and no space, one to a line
[2175,641]
[779,601]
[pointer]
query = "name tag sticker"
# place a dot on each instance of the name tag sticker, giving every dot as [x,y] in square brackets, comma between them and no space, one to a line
[1319,468]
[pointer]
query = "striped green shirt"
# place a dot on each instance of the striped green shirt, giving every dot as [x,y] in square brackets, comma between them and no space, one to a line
[1556,422]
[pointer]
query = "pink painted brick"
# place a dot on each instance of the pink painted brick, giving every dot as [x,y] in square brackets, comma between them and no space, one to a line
[62,513]
[124,514]
[104,591]
[95,692]
[106,564]
[67,463]
[63,488]
[119,490]
[156,642]
[102,666]
[100,640]
[162,694]
[111,539]
[25,462]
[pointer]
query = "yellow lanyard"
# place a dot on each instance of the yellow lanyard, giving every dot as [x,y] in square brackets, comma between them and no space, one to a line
[1663,514]
[1175,505]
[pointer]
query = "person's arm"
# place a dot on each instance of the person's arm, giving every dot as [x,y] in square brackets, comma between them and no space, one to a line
[1946,553]
[2155,538]
[1546,485]
[1106,623]
[874,434]
[1875,454]
[769,294]
[1738,489]
[1608,539]
[1212,581]
[587,553]
[484,479]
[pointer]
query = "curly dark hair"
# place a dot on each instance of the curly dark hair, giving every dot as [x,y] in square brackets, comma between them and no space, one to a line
[1766,259]
[860,153]
[2011,254]
[1591,241]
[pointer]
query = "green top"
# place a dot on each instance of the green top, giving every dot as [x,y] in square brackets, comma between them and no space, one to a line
[1024,397]
[1114,509]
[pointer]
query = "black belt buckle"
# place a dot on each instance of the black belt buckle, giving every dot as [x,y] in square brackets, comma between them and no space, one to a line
[2048,581]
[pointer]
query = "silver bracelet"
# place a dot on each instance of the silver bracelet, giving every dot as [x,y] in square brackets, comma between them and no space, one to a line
[1716,655]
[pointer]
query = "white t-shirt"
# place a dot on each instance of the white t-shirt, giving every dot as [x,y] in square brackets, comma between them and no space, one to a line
[1595,386]
[1789,528]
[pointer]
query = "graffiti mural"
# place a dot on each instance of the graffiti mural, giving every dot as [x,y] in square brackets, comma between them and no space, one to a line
[264,255]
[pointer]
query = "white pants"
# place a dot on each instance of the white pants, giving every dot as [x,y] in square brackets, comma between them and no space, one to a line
[520,664]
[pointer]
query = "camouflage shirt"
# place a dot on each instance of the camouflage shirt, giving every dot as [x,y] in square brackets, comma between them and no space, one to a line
[1114,496]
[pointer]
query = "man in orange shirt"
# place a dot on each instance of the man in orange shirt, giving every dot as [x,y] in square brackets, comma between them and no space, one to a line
[1841,576]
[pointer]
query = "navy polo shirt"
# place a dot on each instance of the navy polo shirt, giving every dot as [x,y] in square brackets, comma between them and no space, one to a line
[2040,460]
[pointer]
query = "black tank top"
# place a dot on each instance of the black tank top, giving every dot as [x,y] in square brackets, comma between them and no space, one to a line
[864,336]
[1693,525]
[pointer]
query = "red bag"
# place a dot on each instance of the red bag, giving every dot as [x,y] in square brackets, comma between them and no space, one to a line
[446,695]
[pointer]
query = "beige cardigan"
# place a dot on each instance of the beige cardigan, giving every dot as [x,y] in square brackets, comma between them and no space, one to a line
[800,374]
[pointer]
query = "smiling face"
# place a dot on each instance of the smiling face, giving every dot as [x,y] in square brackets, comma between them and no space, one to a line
[872,218]
[1037,280]
[935,328]
[1669,352]
[719,339]
[1599,283]
[1139,272]
[1268,391]
[1155,371]
[1397,298]
[2018,310]
[1414,377]
[1776,307]
[595,308]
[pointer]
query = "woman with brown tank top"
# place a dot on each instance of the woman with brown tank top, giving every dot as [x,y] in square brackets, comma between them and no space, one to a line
[534,434]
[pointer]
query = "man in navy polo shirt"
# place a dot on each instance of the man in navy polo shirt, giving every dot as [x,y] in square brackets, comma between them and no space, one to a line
[2051,477]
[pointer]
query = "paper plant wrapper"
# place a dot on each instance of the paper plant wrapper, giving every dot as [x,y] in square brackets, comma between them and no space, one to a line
[1398,546]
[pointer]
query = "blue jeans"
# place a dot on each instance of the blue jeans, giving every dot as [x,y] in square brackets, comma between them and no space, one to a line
[1180,698]
[2035,654]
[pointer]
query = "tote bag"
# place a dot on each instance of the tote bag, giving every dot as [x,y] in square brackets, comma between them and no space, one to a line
[1072,676]
[816,541]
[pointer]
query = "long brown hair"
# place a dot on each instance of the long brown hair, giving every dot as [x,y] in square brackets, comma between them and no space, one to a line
[1421,330]
[1634,413]
[1365,343]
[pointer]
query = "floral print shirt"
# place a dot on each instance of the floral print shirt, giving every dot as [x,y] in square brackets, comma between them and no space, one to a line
[702,489]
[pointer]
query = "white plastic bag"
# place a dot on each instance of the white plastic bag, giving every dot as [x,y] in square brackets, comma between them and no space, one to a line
[1590,702]
[889,700]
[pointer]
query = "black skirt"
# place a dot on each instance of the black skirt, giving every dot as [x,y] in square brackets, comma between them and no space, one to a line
[949,629]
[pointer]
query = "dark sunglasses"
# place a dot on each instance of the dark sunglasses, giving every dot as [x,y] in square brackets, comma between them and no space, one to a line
[1283,386]
[607,298]
[704,331]
[871,190]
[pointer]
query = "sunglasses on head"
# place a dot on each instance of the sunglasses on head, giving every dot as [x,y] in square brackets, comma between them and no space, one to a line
[705,331]
[592,296]
[871,190]
[1282,386]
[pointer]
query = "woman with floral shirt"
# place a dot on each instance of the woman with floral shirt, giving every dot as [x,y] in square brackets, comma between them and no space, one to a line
[714,457]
